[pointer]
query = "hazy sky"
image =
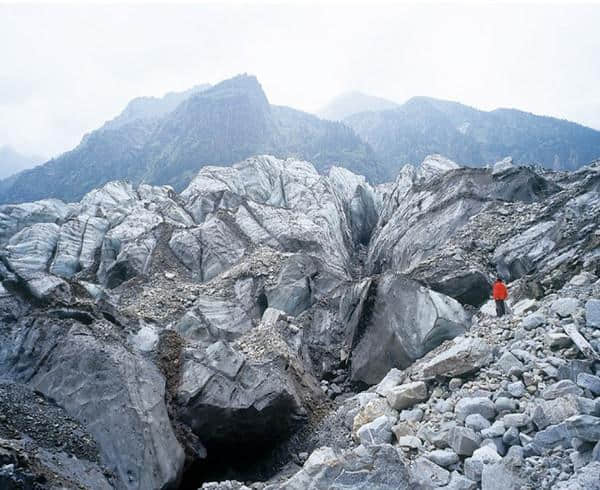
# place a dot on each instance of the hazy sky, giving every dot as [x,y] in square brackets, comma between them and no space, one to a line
[66,70]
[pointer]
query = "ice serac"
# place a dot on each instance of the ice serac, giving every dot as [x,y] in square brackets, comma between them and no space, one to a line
[402,321]
[419,231]
[234,310]
[222,394]
[117,395]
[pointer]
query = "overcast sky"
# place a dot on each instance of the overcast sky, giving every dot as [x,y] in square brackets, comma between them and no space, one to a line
[66,70]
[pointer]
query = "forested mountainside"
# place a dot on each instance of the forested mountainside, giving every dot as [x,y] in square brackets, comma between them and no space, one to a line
[424,125]
[166,141]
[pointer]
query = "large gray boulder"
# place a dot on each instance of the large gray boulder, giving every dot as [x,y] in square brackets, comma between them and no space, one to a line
[401,321]
[459,356]
[93,381]
[222,394]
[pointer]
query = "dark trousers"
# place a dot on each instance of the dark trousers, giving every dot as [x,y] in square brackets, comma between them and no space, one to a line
[500,307]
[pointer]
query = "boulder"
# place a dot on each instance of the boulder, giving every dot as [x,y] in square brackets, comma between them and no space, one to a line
[592,313]
[404,320]
[501,476]
[464,441]
[481,457]
[461,356]
[442,457]
[426,472]
[508,361]
[361,468]
[532,321]
[565,307]
[560,389]
[475,405]
[460,482]
[589,382]
[406,395]
[476,422]
[222,394]
[551,412]
[585,478]
[372,410]
[584,427]
[379,431]
[93,380]
[391,380]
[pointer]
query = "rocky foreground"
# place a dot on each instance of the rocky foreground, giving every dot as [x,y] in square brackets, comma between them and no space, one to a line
[284,329]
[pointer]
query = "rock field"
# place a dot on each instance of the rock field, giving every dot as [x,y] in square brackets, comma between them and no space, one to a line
[273,328]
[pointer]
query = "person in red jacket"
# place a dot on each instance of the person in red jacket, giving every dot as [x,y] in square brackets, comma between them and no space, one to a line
[500,294]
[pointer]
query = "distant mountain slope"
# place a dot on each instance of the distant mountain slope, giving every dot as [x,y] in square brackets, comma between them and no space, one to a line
[219,125]
[152,107]
[12,161]
[350,103]
[424,125]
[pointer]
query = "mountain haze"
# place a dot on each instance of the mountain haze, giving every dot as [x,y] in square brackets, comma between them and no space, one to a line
[168,140]
[424,125]
[154,142]
[350,103]
[12,161]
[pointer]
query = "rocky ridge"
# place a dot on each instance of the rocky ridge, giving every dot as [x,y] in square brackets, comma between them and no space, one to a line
[241,315]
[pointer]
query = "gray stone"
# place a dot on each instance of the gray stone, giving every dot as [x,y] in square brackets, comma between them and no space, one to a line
[414,415]
[464,441]
[511,437]
[361,468]
[516,389]
[551,412]
[524,306]
[443,406]
[402,429]
[372,408]
[443,457]
[533,321]
[516,419]
[507,361]
[412,319]
[480,405]
[476,422]
[561,389]
[406,395]
[552,436]
[427,472]
[411,442]
[505,404]
[501,476]
[496,430]
[460,482]
[557,340]
[592,313]
[584,427]
[461,356]
[581,342]
[572,369]
[496,443]
[379,431]
[455,383]
[589,382]
[481,457]
[582,279]
[392,379]
[585,478]
[565,307]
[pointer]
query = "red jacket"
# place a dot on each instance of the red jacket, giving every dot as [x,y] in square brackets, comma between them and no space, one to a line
[500,291]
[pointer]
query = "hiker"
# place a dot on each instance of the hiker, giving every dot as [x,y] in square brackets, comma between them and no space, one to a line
[500,294]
